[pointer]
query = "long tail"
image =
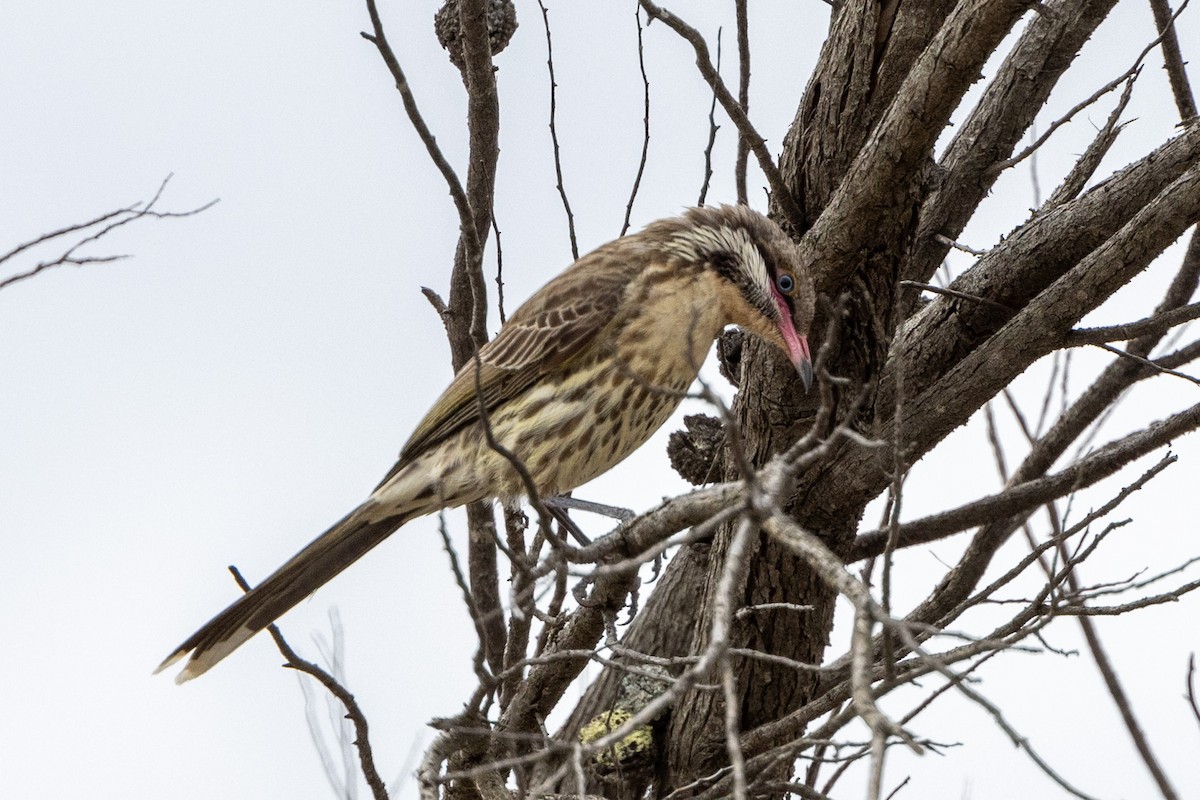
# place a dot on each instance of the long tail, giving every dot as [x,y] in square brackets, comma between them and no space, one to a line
[330,553]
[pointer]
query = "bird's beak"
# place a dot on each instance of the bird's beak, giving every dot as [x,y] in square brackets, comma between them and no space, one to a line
[804,367]
[803,362]
[797,347]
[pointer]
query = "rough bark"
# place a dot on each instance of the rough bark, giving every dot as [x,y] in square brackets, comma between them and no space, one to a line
[869,206]
[840,142]
[882,98]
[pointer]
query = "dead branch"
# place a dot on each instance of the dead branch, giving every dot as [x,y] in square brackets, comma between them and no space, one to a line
[780,192]
[100,226]
[558,174]
[1173,58]
[362,740]
[637,179]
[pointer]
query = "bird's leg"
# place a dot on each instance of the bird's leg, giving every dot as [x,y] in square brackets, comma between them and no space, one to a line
[566,523]
[566,501]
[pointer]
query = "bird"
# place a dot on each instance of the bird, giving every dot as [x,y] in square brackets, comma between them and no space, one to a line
[575,380]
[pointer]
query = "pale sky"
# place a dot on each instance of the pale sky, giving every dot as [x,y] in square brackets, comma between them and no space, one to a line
[251,372]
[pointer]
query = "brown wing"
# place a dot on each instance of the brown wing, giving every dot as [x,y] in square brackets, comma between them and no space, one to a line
[556,324]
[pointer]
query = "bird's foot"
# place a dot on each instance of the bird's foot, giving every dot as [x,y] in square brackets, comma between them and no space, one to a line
[567,502]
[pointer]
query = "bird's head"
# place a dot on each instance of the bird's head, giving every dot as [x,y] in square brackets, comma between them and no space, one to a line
[763,286]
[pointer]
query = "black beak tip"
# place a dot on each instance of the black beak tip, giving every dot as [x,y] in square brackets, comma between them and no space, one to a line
[806,374]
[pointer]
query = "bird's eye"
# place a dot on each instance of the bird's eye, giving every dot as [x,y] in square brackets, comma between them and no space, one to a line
[785,283]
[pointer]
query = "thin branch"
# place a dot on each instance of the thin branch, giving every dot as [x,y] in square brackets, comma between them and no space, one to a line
[355,714]
[62,261]
[1191,687]
[110,222]
[1033,171]
[713,127]
[473,610]
[637,181]
[743,41]
[1157,323]
[733,734]
[558,174]
[779,189]
[343,784]
[962,248]
[45,237]
[974,298]
[1117,610]
[465,217]
[1145,362]
[1173,61]
[1128,75]
[499,272]
[1022,498]
[1086,165]
[1115,690]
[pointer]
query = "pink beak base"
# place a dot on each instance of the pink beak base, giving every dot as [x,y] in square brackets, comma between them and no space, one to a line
[797,345]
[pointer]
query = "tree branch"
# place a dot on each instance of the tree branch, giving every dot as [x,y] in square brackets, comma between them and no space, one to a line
[1173,59]
[878,182]
[1025,497]
[361,739]
[110,222]
[781,194]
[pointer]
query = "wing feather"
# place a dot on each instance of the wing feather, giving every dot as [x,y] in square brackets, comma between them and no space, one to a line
[560,322]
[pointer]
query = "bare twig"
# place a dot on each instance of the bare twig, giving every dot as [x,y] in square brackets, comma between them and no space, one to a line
[1145,362]
[344,782]
[962,248]
[1173,61]
[733,734]
[45,237]
[108,223]
[974,298]
[743,40]
[1025,496]
[1124,608]
[1033,170]
[1190,683]
[637,181]
[1128,75]
[1115,690]
[353,712]
[465,217]
[1085,166]
[558,174]
[779,189]
[1157,323]
[713,127]
[479,661]
[499,272]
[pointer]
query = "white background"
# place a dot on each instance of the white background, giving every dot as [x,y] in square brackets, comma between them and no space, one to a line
[248,376]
